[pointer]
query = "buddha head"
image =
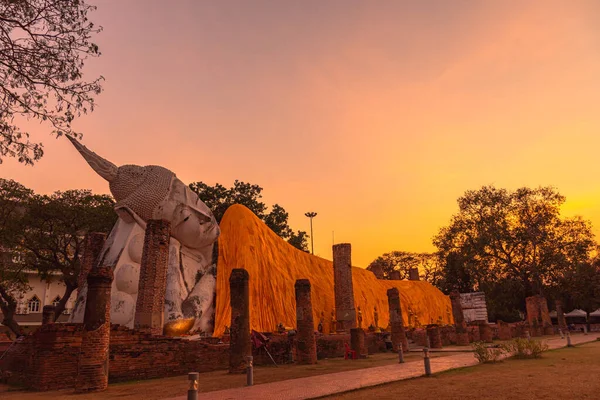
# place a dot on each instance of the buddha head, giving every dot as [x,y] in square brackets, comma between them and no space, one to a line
[154,192]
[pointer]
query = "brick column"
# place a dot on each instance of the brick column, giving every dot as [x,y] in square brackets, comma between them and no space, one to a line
[504,331]
[48,313]
[560,315]
[435,338]
[462,336]
[94,242]
[537,314]
[306,352]
[413,274]
[377,271]
[395,275]
[240,345]
[398,333]
[92,373]
[344,291]
[357,342]
[485,332]
[150,304]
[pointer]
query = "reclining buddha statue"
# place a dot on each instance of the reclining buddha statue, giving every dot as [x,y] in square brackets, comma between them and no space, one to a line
[142,194]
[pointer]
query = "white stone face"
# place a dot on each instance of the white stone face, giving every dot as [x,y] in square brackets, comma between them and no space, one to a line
[128,278]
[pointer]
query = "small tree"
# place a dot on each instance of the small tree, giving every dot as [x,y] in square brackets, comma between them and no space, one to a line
[43,47]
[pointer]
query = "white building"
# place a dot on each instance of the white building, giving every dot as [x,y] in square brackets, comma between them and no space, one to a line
[41,293]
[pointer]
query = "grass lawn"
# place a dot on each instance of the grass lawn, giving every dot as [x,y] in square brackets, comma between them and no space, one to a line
[157,389]
[568,373]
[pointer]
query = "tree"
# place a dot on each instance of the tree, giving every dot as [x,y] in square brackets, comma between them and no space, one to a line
[219,198]
[50,235]
[43,47]
[403,261]
[515,240]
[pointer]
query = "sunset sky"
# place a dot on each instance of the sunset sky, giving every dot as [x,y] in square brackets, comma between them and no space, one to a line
[376,114]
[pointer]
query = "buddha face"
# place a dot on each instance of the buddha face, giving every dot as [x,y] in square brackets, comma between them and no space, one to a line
[192,222]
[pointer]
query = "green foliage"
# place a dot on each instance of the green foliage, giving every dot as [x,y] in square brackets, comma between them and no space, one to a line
[48,232]
[511,245]
[485,354]
[527,348]
[219,198]
[43,48]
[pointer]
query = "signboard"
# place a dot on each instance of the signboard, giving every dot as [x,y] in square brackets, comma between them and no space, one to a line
[474,306]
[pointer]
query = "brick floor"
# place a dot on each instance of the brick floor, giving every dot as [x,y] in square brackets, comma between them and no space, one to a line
[328,384]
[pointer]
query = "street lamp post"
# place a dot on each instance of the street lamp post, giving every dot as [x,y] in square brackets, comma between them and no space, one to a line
[311,215]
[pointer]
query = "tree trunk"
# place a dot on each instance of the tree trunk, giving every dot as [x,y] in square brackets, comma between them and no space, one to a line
[9,305]
[60,307]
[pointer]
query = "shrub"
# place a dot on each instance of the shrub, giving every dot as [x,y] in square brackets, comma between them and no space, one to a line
[485,354]
[527,348]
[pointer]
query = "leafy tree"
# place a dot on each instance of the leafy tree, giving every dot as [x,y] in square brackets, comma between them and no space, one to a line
[219,198]
[403,261]
[43,47]
[50,234]
[513,244]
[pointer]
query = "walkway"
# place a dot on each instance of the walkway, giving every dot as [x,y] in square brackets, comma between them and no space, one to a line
[328,384]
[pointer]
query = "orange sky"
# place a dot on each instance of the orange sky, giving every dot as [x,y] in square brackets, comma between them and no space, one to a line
[377,115]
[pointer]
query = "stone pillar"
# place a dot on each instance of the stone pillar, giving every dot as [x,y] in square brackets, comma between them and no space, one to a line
[48,313]
[396,323]
[473,330]
[92,373]
[485,332]
[150,305]
[240,345]
[344,291]
[94,242]
[435,338]
[377,271]
[306,352]
[395,275]
[537,314]
[504,331]
[560,315]
[413,274]
[357,342]
[462,336]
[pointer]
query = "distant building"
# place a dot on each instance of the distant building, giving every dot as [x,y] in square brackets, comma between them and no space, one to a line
[41,293]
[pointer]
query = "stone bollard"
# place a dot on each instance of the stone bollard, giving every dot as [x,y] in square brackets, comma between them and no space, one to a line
[48,313]
[92,371]
[395,275]
[426,362]
[150,303]
[306,349]
[343,287]
[400,355]
[250,371]
[193,390]
[240,345]
[396,322]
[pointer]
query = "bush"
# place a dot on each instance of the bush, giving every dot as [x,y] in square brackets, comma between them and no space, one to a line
[527,348]
[486,354]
